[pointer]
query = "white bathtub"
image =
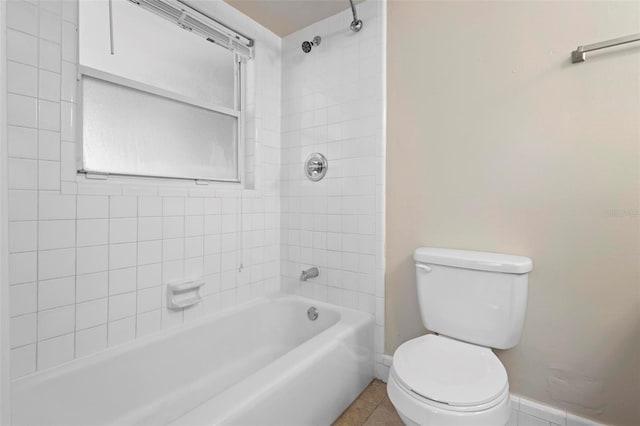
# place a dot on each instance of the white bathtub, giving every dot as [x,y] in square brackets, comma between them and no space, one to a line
[261,363]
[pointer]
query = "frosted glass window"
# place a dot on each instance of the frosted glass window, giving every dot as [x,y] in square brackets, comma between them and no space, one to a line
[131,132]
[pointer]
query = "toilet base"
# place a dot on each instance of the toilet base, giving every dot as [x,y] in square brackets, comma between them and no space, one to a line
[415,412]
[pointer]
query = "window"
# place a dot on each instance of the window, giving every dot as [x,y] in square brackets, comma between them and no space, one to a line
[166,103]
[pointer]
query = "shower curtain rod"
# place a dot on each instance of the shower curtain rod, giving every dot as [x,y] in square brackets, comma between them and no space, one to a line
[578,55]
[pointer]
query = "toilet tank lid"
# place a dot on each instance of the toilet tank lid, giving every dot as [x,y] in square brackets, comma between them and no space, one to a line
[478,260]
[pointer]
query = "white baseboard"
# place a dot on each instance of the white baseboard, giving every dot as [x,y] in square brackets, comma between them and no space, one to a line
[524,412]
[383,365]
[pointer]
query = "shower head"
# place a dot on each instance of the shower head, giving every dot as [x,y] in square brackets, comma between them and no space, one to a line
[356,25]
[307,45]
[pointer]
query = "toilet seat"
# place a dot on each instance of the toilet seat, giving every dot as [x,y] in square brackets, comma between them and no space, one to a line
[446,371]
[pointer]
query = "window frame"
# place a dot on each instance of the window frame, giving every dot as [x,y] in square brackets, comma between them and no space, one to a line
[238,113]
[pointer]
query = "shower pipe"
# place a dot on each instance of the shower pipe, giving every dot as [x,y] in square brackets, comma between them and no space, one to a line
[356,24]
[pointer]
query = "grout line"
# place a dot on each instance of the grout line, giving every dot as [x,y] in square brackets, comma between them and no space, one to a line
[37,186]
[108,262]
[75,277]
[135,329]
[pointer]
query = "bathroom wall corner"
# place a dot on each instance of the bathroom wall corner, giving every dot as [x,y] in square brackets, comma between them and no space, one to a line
[333,103]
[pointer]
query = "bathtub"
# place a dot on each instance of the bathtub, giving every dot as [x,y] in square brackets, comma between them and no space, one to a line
[260,363]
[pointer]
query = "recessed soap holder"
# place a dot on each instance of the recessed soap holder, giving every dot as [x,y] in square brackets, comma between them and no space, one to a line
[181,294]
[316,166]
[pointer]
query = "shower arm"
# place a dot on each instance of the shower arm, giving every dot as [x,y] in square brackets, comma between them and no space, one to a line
[356,24]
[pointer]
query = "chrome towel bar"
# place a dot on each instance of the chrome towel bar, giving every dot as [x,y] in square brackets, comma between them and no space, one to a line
[578,55]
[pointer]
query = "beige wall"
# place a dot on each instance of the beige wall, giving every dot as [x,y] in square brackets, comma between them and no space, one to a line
[496,142]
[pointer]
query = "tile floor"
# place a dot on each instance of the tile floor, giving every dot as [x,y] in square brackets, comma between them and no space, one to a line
[371,408]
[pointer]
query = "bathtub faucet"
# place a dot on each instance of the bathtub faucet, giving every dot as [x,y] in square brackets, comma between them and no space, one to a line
[309,273]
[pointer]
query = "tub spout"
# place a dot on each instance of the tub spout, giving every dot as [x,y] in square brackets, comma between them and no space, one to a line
[309,273]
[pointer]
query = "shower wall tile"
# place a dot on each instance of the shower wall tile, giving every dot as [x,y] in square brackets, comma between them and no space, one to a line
[55,351]
[23,79]
[22,142]
[90,259]
[21,47]
[333,104]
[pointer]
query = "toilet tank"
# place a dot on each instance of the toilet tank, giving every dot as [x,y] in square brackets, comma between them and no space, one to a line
[476,297]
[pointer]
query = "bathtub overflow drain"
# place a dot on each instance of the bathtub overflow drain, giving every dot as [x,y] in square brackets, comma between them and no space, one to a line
[312,313]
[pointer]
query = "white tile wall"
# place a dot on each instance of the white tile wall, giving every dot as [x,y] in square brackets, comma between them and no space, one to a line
[333,103]
[89,260]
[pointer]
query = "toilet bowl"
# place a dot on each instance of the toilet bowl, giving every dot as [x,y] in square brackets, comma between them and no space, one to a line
[435,380]
[473,301]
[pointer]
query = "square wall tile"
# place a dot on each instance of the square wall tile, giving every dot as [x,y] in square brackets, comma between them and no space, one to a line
[149,228]
[23,299]
[91,313]
[123,206]
[50,55]
[149,252]
[55,351]
[56,293]
[23,16]
[93,207]
[91,340]
[23,205]
[122,280]
[122,306]
[92,259]
[22,142]
[22,48]
[23,173]
[49,115]
[22,110]
[148,322]
[56,234]
[122,331]
[49,147]
[50,26]
[23,361]
[49,85]
[22,330]
[91,286]
[22,267]
[149,206]
[122,255]
[22,79]
[55,206]
[149,276]
[70,11]
[56,322]
[56,263]
[123,230]
[92,232]
[23,236]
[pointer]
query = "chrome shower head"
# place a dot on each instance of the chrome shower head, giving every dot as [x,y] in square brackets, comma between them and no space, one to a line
[307,45]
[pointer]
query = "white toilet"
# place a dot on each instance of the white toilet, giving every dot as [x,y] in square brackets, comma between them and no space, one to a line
[474,301]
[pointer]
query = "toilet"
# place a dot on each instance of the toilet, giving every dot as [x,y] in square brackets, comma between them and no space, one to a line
[473,301]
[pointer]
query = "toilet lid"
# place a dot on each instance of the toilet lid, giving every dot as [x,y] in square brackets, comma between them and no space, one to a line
[449,371]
